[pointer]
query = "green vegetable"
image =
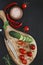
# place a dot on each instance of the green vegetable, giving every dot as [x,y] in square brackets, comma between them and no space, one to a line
[15,34]
[24,38]
[5,25]
[28,39]
[20,36]
[7,60]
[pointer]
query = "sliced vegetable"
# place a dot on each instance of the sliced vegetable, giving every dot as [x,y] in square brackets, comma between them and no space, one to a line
[20,36]
[20,42]
[15,34]
[32,46]
[24,38]
[29,54]
[24,61]
[28,39]
[22,51]
[10,5]
[21,57]
[13,23]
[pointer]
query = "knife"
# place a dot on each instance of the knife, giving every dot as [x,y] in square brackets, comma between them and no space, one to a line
[11,47]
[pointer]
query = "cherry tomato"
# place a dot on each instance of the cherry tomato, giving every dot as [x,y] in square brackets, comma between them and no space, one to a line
[22,51]
[24,5]
[24,61]
[21,57]
[20,42]
[32,47]
[29,54]
[26,28]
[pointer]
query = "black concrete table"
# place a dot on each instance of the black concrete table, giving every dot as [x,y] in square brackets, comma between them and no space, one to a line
[33,17]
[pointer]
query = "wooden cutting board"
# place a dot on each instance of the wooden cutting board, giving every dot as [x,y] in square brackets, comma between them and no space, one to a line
[11,43]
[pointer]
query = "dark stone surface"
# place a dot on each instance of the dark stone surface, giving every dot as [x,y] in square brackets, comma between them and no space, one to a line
[33,17]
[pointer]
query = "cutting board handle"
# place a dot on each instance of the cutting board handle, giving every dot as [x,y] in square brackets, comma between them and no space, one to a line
[2,16]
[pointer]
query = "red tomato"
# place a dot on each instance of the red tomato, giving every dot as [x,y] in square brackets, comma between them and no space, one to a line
[24,5]
[32,47]
[29,54]
[26,28]
[24,61]
[22,51]
[20,42]
[21,57]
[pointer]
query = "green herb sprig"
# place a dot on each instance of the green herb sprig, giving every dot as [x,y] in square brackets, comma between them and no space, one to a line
[7,60]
